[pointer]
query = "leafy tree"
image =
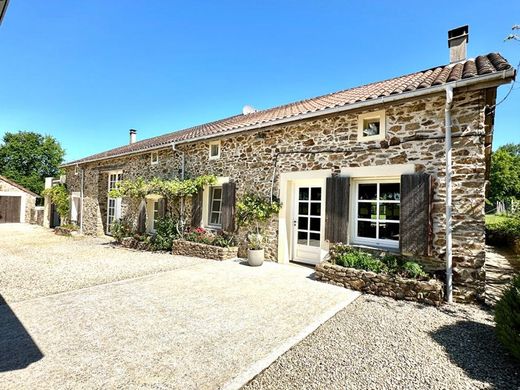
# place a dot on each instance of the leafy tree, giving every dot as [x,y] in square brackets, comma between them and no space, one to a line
[505,173]
[28,157]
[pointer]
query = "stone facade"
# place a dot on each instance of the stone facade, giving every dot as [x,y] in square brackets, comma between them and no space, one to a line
[196,249]
[430,292]
[415,135]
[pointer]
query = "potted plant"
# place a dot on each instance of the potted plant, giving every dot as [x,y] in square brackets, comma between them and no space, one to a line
[255,212]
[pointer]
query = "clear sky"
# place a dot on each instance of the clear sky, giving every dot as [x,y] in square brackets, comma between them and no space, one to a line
[87,71]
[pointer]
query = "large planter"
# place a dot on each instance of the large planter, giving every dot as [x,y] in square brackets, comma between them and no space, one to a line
[430,292]
[196,249]
[255,257]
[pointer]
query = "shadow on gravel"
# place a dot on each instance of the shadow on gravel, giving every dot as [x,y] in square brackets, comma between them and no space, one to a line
[474,347]
[17,348]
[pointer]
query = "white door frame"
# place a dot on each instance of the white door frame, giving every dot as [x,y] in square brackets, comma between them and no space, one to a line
[285,216]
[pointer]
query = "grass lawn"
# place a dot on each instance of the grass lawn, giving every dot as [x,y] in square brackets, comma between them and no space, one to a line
[492,219]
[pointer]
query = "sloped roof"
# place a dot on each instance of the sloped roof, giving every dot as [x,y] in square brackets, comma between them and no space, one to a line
[14,184]
[422,80]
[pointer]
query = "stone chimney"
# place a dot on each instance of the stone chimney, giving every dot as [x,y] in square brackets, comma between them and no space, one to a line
[458,39]
[133,136]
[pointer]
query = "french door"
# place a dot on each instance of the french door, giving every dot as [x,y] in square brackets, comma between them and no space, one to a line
[308,222]
[113,204]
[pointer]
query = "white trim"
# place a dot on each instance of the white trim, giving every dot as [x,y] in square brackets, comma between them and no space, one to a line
[205,201]
[23,201]
[117,203]
[214,143]
[369,242]
[498,76]
[285,227]
[156,160]
[379,114]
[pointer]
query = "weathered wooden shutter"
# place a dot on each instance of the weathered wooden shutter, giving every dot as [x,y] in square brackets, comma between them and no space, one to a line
[336,208]
[141,218]
[415,230]
[196,209]
[162,207]
[228,206]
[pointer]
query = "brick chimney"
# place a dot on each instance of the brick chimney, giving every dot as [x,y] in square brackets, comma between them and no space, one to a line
[133,136]
[458,39]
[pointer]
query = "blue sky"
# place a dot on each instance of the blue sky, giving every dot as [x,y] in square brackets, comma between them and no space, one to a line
[87,71]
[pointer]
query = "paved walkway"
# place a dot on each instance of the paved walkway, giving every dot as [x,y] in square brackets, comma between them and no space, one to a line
[501,266]
[203,326]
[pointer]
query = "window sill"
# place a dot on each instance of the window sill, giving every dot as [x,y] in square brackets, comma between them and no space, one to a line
[382,247]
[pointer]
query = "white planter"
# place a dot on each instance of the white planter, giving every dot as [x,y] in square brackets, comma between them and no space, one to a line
[255,257]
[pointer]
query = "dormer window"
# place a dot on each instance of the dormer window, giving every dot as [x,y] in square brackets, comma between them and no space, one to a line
[372,126]
[214,150]
[154,158]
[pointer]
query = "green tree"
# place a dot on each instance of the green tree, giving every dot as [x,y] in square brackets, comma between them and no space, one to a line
[505,173]
[28,157]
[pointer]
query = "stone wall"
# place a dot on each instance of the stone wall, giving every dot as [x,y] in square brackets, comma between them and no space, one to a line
[195,249]
[430,292]
[415,135]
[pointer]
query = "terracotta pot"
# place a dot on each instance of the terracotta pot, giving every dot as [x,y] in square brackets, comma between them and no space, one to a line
[255,257]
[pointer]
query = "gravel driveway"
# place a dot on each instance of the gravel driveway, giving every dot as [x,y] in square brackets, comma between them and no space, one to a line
[35,262]
[379,343]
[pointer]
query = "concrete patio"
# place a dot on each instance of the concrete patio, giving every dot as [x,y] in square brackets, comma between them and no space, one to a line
[206,325]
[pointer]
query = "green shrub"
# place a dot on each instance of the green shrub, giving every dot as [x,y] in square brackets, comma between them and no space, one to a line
[350,257]
[502,230]
[203,236]
[413,270]
[121,229]
[166,230]
[507,318]
[60,197]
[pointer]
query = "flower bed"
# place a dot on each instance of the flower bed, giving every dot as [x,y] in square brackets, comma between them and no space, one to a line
[133,243]
[206,251]
[430,292]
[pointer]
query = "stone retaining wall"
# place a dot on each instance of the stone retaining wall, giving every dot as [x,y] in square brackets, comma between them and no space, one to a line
[430,292]
[132,243]
[195,249]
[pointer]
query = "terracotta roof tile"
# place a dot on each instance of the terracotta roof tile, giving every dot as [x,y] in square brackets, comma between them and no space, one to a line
[480,66]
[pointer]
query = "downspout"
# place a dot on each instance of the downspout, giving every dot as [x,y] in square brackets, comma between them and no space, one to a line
[81,189]
[175,150]
[449,244]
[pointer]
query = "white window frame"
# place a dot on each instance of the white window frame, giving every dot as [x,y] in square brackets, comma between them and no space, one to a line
[151,201]
[210,207]
[117,201]
[371,242]
[380,114]
[206,195]
[217,156]
[154,158]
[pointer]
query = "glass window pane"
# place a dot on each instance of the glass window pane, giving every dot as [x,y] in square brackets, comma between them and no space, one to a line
[389,231]
[302,238]
[367,229]
[303,194]
[367,191]
[215,219]
[303,208]
[303,223]
[315,224]
[217,193]
[215,206]
[316,209]
[316,193]
[371,127]
[314,239]
[389,191]
[389,211]
[214,150]
[367,210]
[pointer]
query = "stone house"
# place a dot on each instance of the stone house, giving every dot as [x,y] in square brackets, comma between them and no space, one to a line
[17,203]
[365,165]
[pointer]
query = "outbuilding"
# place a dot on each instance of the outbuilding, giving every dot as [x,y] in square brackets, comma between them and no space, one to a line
[16,202]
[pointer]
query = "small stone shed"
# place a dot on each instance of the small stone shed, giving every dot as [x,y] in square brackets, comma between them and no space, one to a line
[17,204]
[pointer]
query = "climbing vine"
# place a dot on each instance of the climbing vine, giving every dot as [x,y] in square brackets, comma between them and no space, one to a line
[60,197]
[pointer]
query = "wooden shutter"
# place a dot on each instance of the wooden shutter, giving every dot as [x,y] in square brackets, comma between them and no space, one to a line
[141,218]
[162,207]
[415,230]
[228,206]
[196,209]
[336,208]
